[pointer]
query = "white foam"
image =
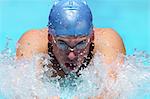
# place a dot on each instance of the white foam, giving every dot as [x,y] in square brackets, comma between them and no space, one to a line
[20,79]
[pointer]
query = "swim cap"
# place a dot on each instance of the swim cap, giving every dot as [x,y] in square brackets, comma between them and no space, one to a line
[70,18]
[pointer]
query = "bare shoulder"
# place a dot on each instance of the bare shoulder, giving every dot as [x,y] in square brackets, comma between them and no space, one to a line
[107,33]
[108,42]
[33,41]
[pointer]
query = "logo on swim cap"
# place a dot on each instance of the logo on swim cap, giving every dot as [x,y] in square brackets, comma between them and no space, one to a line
[70,18]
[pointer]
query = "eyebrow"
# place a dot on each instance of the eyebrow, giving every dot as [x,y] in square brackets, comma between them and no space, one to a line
[64,37]
[81,41]
[66,41]
[59,40]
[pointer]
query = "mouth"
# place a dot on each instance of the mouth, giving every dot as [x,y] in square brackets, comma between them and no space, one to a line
[71,66]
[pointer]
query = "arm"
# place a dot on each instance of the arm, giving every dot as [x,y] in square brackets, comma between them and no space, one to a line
[109,44]
[31,42]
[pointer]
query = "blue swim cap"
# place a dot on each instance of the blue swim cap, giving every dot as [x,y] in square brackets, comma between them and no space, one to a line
[70,18]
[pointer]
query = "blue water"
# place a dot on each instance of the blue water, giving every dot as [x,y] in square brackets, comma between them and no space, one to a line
[130,18]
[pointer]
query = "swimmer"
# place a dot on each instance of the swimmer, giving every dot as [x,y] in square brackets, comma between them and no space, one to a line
[71,39]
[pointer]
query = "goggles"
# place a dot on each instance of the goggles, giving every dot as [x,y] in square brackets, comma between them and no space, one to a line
[66,46]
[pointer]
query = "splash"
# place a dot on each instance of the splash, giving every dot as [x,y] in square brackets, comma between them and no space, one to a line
[20,79]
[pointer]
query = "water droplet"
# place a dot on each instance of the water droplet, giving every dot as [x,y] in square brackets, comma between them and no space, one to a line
[71,3]
[81,53]
[56,1]
[58,14]
[84,1]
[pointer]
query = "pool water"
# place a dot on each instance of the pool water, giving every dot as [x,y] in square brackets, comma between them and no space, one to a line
[20,79]
[130,18]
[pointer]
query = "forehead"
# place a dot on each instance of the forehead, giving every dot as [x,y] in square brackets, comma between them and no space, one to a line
[65,38]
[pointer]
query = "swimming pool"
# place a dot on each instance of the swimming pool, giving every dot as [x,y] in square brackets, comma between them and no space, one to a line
[130,18]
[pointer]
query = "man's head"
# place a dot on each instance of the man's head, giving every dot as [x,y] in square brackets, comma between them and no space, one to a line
[71,30]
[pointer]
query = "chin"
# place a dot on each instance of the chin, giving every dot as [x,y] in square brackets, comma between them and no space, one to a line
[70,67]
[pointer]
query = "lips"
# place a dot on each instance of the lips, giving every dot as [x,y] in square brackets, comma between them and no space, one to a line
[71,66]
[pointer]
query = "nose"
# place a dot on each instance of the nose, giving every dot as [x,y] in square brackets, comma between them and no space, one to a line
[71,55]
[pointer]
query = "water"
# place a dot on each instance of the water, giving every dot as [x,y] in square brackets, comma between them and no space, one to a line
[130,18]
[21,80]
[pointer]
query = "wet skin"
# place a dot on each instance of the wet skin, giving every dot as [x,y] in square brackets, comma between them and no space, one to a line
[106,41]
[71,51]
